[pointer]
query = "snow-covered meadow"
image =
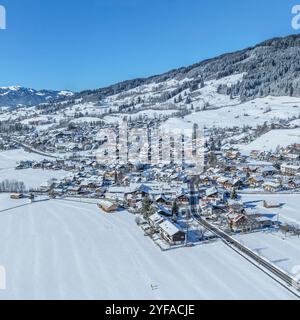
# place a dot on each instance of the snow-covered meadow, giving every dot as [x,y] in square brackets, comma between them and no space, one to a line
[289,212]
[33,178]
[69,250]
[251,113]
[271,140]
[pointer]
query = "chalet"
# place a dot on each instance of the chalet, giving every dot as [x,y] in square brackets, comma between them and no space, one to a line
[182,198]
[293,157]
[254,154]
[164,211]
[290,169]
[232,154]
[237,222]
[272,186]
[107,206]
[222,180]
[162,199]
[256,181]
[172,233]
[263,222]
[233,184]
[294,184]
[267,171]
[205,180]
[155,220]
[212,211]
[73,190]
[212,193]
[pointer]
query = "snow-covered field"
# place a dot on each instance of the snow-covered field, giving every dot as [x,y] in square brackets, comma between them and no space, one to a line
[7,203]
[151,114]
[290,211]
[251,113]
[9,159]
[57,249]
[271,140]
[33,178]
[284,252]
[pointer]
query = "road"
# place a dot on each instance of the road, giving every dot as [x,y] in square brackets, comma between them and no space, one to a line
[32,149]
[288,282]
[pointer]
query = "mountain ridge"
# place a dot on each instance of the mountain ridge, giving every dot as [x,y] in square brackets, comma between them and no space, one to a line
[271,67]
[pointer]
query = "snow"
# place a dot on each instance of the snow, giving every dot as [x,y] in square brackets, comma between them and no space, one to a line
[63,250]
[6,202]
[9,159]
[271,140]
[281,251]
[289,212]
[85,120]
[250,113]
[33,178]
[150,113]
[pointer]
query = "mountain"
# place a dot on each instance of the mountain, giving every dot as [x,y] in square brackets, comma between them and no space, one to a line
[15,96]
[269,68]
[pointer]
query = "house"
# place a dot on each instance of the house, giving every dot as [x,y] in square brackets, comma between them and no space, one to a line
[171,232]
[233,184]
[182,198]
[263,222]
[256,181]
[17,196]
[292,157]
[162,210]
[232,154]
[205,180]
[294,184]
[267,171]
[237,221]
[73,190]
[212,193]
[107,206]
[155,220]
[290,169]
[212,211]
[162,199]
[254,154]
[272,186]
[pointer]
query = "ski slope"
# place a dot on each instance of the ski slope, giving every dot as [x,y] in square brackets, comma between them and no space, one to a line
[69,250]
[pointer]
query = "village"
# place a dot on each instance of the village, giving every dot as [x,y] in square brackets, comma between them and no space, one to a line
[167,199]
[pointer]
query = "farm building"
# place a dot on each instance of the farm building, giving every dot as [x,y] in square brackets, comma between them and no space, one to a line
[107,206]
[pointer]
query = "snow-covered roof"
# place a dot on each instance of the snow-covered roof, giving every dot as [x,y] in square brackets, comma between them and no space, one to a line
[170,228]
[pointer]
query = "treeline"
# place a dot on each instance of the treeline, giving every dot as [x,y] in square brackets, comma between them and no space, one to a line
[9,127]
[12,186]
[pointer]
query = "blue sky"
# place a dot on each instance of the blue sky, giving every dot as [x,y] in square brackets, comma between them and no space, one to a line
[76,45]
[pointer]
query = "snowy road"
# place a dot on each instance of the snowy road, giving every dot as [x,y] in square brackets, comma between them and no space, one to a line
[65,250]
